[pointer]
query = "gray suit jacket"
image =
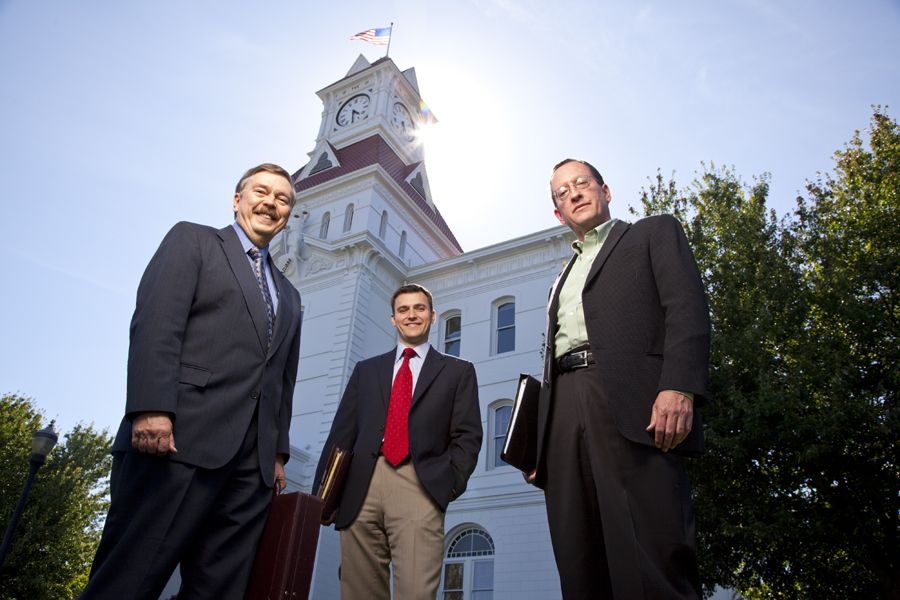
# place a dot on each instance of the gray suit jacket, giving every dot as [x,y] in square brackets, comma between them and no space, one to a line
[198,350]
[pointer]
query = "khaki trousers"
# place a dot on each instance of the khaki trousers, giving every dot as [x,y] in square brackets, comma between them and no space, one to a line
[399,526]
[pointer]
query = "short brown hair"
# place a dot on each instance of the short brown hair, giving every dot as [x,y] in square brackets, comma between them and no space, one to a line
[594,173]
[412,288]
[266,168]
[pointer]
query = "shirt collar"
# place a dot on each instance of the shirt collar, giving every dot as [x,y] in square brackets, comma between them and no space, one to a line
[595,237]
[247,244]
[421,350]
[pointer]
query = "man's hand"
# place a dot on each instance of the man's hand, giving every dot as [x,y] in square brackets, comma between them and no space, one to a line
[671,419]
[280,478]
[529,477]
[151,433]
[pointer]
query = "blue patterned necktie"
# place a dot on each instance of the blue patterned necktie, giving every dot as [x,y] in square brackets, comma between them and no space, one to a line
[256,255]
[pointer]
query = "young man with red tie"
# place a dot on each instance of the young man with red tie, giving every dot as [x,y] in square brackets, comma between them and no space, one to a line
[412,419]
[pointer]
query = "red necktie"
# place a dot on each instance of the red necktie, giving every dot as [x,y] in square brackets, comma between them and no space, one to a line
[396,429]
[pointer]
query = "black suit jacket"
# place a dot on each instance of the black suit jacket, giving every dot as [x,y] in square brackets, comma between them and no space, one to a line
[647,322]
[444,428]
[198,350]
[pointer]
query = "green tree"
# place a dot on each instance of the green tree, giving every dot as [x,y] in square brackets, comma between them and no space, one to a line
[59,529]
[849,235]
[797,496]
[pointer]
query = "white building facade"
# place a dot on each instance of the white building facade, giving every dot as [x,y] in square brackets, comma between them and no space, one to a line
[363,225]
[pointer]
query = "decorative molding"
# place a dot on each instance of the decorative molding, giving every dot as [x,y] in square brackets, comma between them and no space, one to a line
[362,250]
[418,180]
[495,501]
[552,242]
[317,264]
[337,191]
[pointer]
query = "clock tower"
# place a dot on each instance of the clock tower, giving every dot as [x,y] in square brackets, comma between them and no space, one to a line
[375,99]
[365,180]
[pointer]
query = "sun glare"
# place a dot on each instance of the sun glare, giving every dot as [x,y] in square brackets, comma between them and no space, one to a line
[464,147]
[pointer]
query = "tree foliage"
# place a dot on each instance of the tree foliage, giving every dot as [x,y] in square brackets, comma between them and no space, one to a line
[797,496]
[59,529]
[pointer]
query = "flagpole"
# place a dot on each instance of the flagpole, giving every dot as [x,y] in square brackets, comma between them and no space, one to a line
[388,51]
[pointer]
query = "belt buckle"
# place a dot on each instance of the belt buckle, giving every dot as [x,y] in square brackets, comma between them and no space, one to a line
[582,356]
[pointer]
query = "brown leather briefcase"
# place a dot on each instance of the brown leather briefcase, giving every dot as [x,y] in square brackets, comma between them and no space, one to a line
[287,552]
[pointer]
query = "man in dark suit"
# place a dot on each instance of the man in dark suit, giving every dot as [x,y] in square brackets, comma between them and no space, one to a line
[412,418]
[626,364]
[212,364]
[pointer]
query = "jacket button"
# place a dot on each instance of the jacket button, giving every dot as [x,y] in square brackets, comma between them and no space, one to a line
[254,396]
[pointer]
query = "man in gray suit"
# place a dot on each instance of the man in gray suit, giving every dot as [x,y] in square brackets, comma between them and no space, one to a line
[211,370]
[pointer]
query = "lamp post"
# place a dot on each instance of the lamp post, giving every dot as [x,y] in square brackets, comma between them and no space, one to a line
[41,443]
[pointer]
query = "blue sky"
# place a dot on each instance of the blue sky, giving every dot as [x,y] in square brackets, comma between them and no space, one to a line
[118,119]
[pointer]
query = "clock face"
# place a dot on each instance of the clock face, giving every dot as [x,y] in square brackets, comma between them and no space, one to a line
[402,121]
[353,110]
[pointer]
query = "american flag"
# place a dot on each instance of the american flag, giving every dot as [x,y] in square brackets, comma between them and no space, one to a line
[374,36]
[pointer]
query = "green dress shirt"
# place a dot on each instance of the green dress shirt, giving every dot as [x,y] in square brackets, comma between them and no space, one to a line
[572,332]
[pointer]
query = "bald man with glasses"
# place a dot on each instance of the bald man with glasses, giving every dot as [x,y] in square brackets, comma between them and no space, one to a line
[626,366]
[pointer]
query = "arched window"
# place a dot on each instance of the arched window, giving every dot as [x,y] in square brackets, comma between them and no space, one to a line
[348,218]
[498,422]
[382,227]
[504,334]
[403,244]
[468,572]
[451,331]
[323,228]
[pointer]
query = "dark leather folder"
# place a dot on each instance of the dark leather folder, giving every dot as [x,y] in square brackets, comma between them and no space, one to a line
[332,485]
[287,551]
[520,448]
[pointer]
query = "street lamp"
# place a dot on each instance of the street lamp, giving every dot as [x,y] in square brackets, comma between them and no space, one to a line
[42,443]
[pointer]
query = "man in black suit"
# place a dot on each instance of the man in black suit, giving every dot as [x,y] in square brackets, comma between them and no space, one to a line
[412,418]
[212,364]
[626,364]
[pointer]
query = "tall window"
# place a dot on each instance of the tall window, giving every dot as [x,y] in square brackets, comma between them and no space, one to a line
[323,228]
[469,566]
[382,227]
[505,322]
[348,218]
[499,414]
[403,244]
[452,332]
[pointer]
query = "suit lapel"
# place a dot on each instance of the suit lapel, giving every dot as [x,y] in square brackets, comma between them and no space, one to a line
[552,309]
[434,362]
[385,370]
[612,239]
[557,288]
[243,272]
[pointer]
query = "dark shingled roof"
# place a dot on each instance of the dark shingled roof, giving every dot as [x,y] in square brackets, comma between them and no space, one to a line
[367,152]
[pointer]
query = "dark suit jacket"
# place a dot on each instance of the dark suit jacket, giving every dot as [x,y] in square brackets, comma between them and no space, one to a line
[444,428]
[198,350]
[647,322]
